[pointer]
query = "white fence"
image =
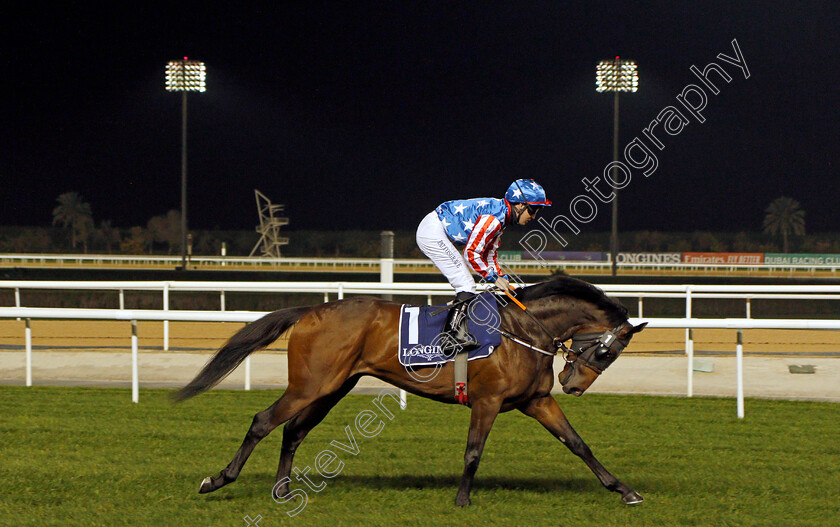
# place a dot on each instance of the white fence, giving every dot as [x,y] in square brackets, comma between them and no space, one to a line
[688,292]
[374,265]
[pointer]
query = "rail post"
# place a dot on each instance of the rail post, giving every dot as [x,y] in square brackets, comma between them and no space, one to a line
[28,340]
[689,344]
[135,369]
[247,373]
[386,261]
[166,322]
[739,369]
[386,274]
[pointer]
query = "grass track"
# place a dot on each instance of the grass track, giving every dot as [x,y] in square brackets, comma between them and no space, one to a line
[88,456]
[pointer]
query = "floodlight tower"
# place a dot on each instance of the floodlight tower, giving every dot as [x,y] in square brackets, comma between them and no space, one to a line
[185,76]
[616,76]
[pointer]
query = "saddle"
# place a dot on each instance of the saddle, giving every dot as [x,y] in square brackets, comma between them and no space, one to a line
[422,329]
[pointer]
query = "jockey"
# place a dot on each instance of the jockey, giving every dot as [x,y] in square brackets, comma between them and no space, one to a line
[477,224]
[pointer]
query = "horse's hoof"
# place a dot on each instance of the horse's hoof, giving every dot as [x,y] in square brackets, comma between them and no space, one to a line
[632,498]
[277,494]
[463,502]
[206,486]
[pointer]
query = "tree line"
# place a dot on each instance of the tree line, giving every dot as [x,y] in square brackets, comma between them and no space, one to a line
[74,231]
[75,219]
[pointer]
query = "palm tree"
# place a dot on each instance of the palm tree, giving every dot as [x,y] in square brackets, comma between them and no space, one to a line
[784,216]
[74,214]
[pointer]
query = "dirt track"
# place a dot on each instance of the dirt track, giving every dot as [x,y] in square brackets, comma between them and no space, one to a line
[87,352]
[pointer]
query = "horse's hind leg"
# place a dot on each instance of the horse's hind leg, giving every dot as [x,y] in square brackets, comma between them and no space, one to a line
[548,413]
[299,426]
[286,407]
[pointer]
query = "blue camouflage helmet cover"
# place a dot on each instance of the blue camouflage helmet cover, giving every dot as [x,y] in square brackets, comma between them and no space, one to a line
[527,191]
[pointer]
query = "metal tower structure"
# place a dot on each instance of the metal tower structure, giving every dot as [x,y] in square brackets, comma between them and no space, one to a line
[269,227]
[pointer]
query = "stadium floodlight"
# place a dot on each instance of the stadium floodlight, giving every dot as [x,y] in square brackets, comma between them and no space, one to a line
[185,76]
[616,76]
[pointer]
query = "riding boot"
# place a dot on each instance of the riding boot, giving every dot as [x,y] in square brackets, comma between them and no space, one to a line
[457,337]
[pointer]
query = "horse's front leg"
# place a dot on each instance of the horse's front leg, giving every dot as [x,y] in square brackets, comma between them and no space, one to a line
[484,412]
[548,413]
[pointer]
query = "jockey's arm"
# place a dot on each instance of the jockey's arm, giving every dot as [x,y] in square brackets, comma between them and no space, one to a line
[482,246]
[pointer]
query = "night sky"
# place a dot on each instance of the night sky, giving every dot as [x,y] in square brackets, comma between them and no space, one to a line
[367,115]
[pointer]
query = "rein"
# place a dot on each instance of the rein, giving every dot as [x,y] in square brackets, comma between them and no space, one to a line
[591,348]
[558,344]
[518,340]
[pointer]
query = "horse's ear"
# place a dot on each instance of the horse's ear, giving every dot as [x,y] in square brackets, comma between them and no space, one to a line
[636,329]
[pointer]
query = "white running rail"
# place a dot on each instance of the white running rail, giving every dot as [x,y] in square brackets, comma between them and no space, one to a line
[688,292]
[373,265]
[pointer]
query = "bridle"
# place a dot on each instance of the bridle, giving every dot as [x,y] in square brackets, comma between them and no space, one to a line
[596,350]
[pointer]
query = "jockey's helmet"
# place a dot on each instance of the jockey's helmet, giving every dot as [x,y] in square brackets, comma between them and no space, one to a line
[527,191]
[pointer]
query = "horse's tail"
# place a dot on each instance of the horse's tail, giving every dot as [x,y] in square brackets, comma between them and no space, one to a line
[255,336]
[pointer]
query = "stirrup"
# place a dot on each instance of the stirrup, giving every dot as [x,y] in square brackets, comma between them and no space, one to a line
[451,345]
[457,336]
[460,343]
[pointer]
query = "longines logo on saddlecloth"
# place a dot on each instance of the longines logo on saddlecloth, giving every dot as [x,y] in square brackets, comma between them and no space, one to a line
[428,352]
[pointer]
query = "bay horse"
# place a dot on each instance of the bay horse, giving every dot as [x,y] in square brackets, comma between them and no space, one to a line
[334,344]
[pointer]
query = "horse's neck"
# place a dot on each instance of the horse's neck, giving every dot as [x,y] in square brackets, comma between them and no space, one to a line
[562,315]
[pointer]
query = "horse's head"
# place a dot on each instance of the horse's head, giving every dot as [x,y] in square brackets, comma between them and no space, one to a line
[592,351]
[596,323]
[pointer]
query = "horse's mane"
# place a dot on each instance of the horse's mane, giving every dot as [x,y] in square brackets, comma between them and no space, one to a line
[568,286]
